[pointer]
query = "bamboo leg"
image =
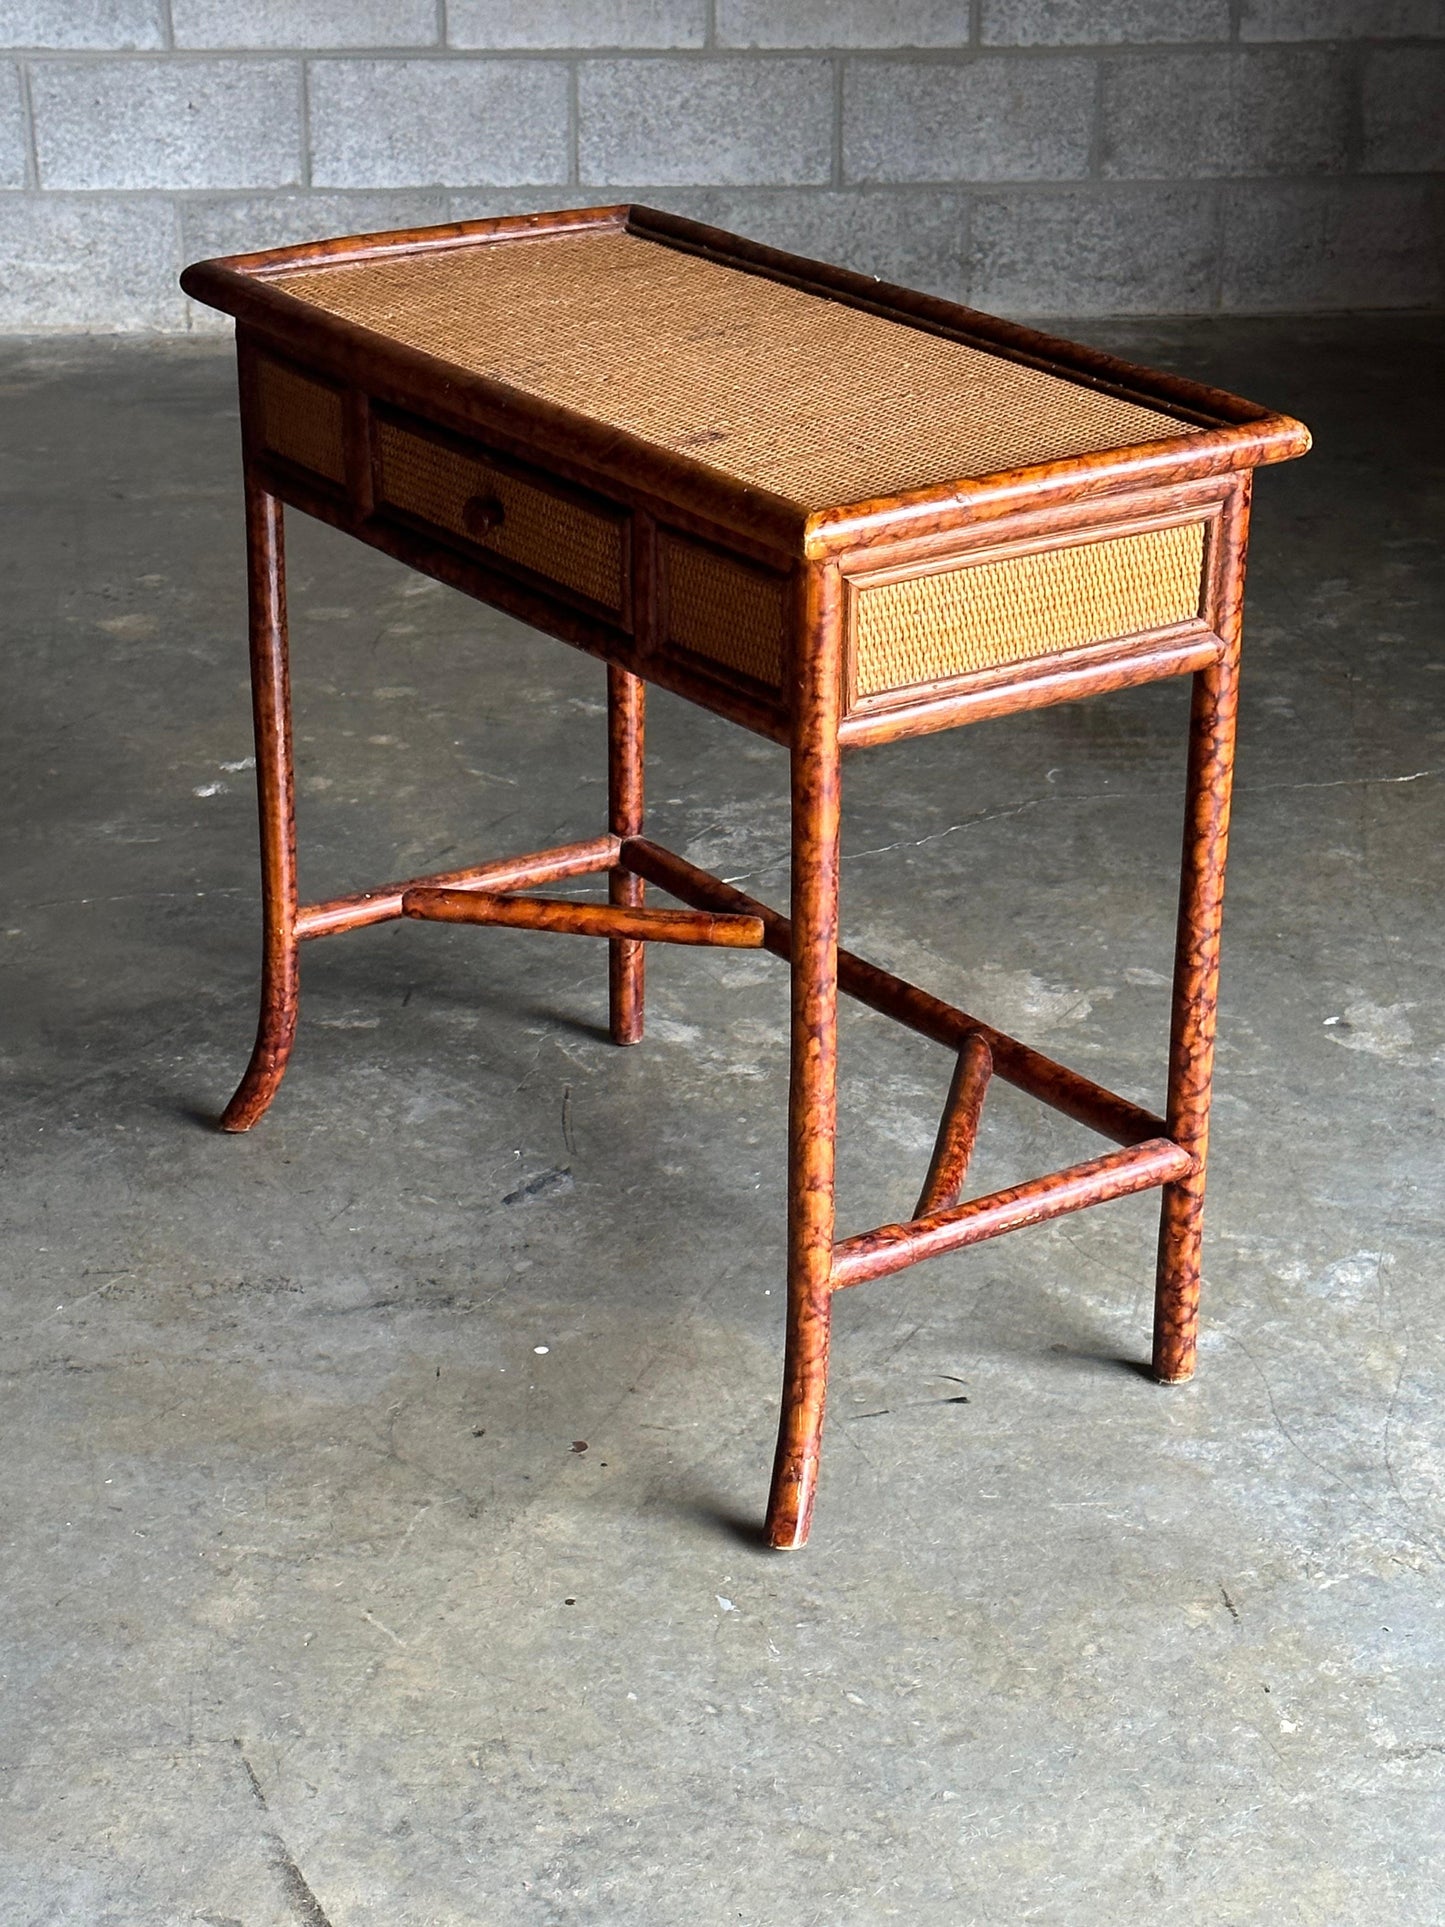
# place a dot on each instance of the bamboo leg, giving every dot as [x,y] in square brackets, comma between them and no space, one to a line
[1196,981]
[626,961]
[812,1096]
[275,789]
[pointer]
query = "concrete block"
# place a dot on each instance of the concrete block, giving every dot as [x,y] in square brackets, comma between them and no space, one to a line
[914,235]
[79,263]
[727,122]
[1340,19]
[240,223]
[1087,251]
[843,23]
[577,23]
[1059,23]
[988,119]
[12,127]
[1300,246]
[321,24]
[153,123]
[1405,111]
[486,203]
[447,123]
[115,25]
[1201,114]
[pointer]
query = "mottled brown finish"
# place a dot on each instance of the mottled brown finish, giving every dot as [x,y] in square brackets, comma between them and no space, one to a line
[1018,1064]
[276,796]
[736,583]
[626,742]
[958,1127]
[1209,784]
[893,1247]
[584,919]
[813,1079]
[502,873]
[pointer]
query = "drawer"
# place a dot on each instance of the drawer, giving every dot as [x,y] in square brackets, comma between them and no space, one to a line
[487,503]
[927,626]
[727,615]
[301,419]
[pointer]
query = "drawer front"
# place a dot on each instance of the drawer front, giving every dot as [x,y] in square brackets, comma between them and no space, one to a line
[578,543]
[725,613]
[927,628]
[302,419]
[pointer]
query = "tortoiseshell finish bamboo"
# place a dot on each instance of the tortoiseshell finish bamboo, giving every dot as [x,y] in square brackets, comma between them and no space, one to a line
[276,798]
[646,490]
[626,966]
[813,1079]
[502,873]
[957,1128]
[1018,1064]
[1208,787]
[616,921]
[893,1247]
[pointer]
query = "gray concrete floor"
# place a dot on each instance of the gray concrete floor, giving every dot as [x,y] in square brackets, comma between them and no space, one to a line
[333,1597]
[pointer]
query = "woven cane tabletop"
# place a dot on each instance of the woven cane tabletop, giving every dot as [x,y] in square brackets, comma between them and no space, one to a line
[819,403]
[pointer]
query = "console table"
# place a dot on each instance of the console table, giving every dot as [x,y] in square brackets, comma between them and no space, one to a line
[832,511]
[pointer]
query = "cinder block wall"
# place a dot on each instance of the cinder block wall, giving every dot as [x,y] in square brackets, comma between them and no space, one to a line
[1035,156]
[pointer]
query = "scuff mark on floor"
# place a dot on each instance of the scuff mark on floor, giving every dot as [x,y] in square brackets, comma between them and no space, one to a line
[559,1178]
[304,1904]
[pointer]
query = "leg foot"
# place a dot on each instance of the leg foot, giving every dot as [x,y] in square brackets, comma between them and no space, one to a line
[274,1037]
[1176,1296]
[800,1431]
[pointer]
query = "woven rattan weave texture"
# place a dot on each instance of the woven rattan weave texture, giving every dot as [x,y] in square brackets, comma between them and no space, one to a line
[301,421]
[723,611]
[550,534]
[929,627]
[817,402]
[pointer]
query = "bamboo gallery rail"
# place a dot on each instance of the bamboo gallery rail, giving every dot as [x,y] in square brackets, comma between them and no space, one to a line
[830,511]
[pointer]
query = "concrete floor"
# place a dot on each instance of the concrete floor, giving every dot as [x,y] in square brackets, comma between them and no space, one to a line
[333,1597]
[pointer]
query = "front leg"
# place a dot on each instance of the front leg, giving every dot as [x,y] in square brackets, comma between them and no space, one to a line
[1196,970]
[812,1094]
[276,795]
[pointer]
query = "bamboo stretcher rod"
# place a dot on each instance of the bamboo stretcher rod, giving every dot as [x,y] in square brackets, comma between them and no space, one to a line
[893,1247]
[584,919]
[957,1128]
[503,873]
[1028,1070]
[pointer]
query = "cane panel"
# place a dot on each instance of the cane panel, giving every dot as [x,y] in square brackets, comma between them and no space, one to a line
[929,628]
[723,611]
[777,387]
[302,420]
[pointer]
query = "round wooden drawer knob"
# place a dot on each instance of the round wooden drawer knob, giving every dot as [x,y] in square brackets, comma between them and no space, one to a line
[481,514]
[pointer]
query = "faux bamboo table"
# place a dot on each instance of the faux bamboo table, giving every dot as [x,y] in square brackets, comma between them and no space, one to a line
[835,513]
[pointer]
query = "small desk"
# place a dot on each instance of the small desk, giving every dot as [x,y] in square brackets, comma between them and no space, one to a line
[832,511]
